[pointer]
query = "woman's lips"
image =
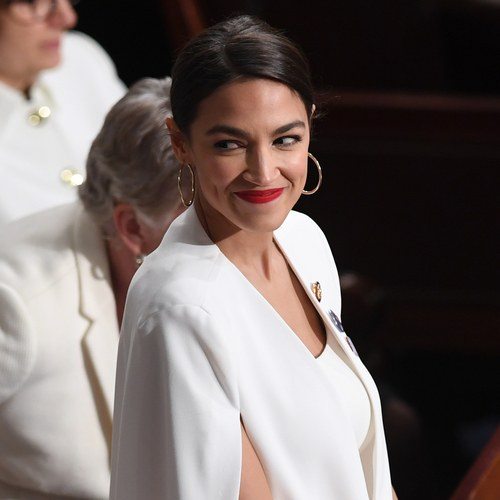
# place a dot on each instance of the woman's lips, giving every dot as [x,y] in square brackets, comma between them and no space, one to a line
[260,195]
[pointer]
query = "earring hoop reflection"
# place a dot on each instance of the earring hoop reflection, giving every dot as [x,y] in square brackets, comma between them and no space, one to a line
[186,203]
[320,176]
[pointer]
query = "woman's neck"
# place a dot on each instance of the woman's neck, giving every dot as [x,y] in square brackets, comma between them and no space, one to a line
[253,252]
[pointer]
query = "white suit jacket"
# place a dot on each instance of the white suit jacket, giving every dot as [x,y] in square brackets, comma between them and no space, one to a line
[58,344]
[79,93]
[200,348]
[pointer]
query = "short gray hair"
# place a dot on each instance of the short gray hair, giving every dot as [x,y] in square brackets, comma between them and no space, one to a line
[131,159]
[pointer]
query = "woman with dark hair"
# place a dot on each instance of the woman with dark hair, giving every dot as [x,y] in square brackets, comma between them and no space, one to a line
[235,377]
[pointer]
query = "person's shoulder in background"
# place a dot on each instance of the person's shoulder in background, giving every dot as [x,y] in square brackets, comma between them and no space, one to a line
[87,69]
[35,253]
[80,49]
[36,248]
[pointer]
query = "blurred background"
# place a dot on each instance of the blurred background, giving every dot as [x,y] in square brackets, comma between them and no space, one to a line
[409,141]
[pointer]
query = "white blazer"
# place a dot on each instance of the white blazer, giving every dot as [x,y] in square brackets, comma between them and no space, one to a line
[58,344]
[200,348]
[79,93]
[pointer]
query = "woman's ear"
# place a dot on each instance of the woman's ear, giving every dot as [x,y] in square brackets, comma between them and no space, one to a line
[178,140]
[313,110]
[129,229]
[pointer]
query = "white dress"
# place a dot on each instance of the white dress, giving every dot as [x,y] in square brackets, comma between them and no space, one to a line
[353,398]
[201,350]
[41,159]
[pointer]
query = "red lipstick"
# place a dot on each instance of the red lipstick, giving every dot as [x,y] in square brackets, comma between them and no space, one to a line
[260,196]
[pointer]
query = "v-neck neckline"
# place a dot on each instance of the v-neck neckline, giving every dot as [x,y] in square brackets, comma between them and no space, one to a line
[269,306]
[191,212]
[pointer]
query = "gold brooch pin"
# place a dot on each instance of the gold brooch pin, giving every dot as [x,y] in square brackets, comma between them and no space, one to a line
[316,289]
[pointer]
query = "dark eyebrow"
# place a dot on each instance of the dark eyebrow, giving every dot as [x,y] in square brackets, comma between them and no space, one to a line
[237,132]
[227,129]
[289,126]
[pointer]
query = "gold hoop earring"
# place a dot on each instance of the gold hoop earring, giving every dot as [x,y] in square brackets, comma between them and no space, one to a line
[320,176]
[179,186]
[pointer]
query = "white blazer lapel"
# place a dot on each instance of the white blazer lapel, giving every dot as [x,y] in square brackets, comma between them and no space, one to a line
[97,305]
[315,274]
[296,246]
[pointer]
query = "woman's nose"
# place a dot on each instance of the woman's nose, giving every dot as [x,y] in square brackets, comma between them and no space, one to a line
[261,168]
[64,16]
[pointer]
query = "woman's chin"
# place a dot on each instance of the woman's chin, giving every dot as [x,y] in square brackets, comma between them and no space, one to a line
[263,223]
[53,62]
[50,59]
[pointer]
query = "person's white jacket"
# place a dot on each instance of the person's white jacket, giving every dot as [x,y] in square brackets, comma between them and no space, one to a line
[201,349]
[58,345]
[37,158]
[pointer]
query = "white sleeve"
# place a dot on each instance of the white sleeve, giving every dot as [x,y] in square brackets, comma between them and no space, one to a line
[176,431]
[17,343]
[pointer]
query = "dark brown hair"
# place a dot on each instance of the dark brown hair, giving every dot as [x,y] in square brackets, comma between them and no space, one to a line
[240,47]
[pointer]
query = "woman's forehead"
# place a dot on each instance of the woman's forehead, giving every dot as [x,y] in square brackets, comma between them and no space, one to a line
[252,100]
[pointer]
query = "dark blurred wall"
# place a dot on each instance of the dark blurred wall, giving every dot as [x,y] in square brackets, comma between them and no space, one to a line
[470,30]
[420,45]
[132,32]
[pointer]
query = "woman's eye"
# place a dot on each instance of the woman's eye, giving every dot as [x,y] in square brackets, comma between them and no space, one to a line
[226,145]
[288,140]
